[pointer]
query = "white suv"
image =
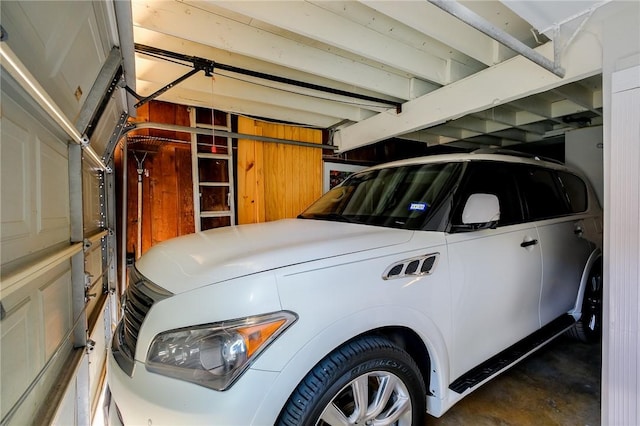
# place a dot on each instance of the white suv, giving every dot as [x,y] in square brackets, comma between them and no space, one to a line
[395,294]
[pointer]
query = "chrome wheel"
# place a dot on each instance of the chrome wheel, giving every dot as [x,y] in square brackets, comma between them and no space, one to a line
[375,398]
[367,381]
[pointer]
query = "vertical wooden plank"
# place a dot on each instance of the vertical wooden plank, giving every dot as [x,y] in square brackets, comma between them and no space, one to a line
[162,112]
[305,155]
[132,202]
[260,180]
[273,189]
[248,198]
[186,223]
[168,202]
[284,173]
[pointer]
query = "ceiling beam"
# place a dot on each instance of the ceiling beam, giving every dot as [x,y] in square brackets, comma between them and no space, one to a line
[494,86]
[189,48]
[443,27]
[324,26]
[580,95]
[193,23]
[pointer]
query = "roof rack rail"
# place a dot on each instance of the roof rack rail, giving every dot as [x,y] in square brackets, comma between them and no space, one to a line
[502,151]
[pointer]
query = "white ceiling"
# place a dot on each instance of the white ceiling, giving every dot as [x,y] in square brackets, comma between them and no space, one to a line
[452,83]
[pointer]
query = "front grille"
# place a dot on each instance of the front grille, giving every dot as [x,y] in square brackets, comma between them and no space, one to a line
[139,297]
[137,304]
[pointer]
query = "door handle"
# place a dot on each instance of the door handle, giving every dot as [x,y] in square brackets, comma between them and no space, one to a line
[528,243]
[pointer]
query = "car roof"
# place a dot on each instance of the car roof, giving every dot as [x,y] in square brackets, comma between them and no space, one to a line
[480,155]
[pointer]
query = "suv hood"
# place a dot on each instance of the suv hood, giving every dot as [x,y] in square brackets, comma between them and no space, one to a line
[188,262]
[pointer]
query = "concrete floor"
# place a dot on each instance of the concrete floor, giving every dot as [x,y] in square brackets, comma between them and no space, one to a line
[558,385]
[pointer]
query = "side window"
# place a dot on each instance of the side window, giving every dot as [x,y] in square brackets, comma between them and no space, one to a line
[542,193]
[489,177]
[576,191]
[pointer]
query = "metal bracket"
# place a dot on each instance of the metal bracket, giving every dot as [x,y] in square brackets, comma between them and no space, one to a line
[167,87]
[3,313]
[3,34]
[84,141]
[560,45]
[91,345]
[86,244]
[87,281]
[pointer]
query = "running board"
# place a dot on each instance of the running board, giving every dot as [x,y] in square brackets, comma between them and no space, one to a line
[512,354]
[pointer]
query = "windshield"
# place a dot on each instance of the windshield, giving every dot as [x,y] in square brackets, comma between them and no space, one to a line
[398,197]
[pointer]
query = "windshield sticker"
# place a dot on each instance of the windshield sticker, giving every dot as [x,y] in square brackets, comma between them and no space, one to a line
[418,206]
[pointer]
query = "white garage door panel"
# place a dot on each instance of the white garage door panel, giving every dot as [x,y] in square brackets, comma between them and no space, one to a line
[104,129]
[35,184]
[55,297]
[93,262]
[60,43]
[15,180]
[18,358]
[52,191]
[91,199]
[93,267]
[37,320]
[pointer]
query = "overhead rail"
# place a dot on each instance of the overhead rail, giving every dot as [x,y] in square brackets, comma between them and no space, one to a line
[222,133]
[209,67]
[28,82]
[476,21]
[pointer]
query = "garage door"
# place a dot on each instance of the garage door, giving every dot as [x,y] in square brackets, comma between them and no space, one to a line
[57,245]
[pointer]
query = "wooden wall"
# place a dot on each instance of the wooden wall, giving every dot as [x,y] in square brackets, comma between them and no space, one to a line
[167,189]
[276,181]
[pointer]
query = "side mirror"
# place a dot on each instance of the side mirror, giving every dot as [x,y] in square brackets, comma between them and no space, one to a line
[481,211]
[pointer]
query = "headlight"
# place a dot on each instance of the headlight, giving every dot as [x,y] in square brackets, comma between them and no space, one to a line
[214,355]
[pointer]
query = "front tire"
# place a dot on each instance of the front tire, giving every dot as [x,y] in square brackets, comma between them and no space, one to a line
[368,380]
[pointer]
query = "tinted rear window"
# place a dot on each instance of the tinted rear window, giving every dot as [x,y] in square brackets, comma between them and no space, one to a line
[543,194]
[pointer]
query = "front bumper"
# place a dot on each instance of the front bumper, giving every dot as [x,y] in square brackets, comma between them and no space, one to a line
[152,399]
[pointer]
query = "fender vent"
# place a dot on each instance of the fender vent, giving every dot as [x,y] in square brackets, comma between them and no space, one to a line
[414,267]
